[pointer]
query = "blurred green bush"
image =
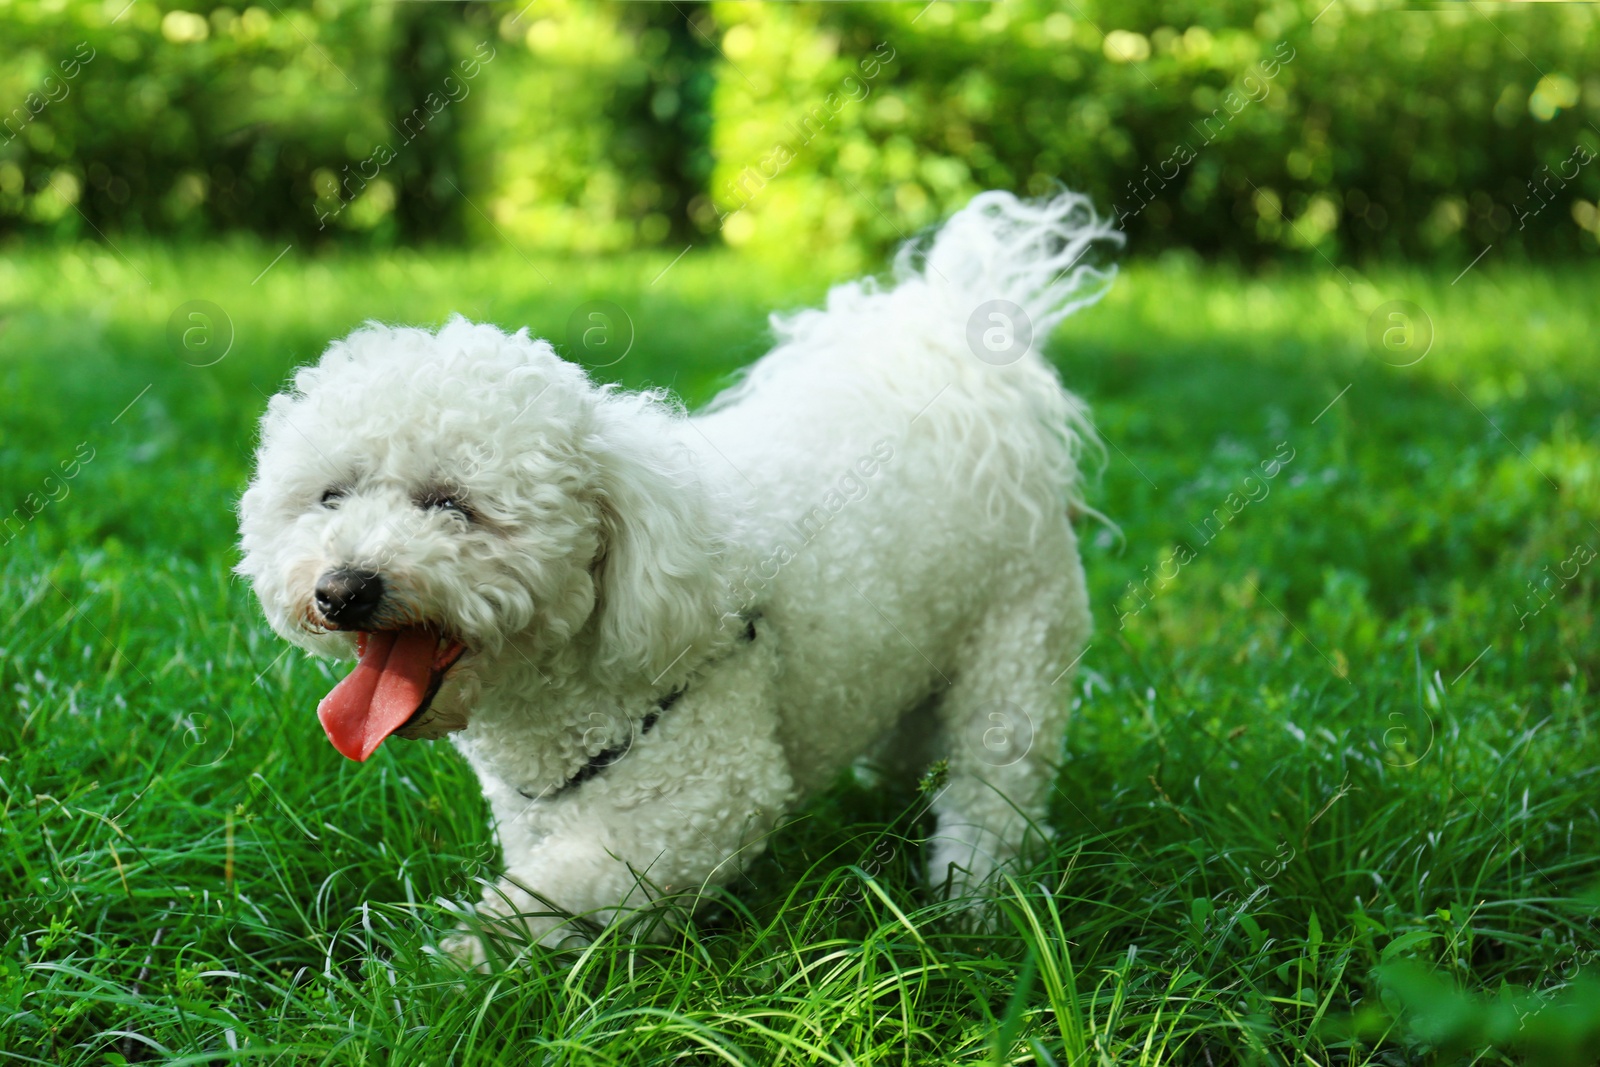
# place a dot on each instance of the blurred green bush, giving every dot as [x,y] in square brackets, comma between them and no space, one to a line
[804,130]
[1235,127]
[174,122]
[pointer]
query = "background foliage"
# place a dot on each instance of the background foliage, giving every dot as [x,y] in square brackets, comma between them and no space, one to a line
[1429,132]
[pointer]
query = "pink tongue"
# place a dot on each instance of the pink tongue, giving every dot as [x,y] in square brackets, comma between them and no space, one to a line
[386,688]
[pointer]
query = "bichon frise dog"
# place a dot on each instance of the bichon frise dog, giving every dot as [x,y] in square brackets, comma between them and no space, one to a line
[652,634]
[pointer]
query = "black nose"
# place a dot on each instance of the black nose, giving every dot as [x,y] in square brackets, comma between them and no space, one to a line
[348,598]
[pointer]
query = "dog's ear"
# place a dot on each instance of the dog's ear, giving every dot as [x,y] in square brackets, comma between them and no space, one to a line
[655,573]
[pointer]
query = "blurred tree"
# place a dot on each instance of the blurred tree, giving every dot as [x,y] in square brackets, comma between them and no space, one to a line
[424,94]
[596,126]
[663,119]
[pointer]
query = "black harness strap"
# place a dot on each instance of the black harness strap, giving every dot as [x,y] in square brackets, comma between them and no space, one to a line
[601,760]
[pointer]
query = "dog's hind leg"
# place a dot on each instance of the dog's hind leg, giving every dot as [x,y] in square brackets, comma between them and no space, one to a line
[1002,721]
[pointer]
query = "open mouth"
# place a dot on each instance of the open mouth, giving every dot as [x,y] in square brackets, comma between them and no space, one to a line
[399,674]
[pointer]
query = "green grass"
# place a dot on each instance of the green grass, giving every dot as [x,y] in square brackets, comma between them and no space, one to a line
[1328,796]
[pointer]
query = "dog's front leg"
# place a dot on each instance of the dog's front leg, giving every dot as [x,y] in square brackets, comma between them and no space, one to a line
[687,807]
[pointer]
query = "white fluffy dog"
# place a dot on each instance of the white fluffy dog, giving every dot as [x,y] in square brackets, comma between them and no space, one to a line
[653,634]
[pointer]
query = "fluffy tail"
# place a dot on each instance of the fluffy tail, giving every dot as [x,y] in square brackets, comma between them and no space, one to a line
[1033,254]
[943,317]
[1030,253]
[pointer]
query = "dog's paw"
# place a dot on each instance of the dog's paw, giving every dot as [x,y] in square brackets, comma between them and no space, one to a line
[504,943]
[976,914]
[465,949]
[961,868]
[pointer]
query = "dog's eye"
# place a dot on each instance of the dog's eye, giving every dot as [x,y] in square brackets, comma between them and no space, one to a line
[443,500]
[331,497]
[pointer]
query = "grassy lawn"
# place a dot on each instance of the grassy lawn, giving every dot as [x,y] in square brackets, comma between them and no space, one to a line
[1329,795]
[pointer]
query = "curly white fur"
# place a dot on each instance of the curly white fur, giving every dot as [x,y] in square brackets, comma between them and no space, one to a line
[886,512]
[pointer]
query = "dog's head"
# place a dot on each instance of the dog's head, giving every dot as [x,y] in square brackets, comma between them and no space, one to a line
[463,508]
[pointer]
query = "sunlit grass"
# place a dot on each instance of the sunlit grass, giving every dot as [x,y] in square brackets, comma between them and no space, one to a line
[1338,739]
